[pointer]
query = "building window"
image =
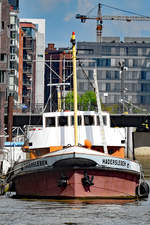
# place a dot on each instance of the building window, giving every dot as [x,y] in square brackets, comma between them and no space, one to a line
[13,49]
[143,100]
[135,62]
[117,87]
[2,25]
[2,57]
[80,74]
[12,26]
[13,34]
[122,51]
[117,75]
[106,50]
[103,62]
[147,63]
[108,75]
[86,51]
[132,51]
[135,75]
[25,91]
[143,75]
[145,88]
[12,64]
[11,81]
[90,74]
[81,86]
[2,76]
[144,51]
[107,86]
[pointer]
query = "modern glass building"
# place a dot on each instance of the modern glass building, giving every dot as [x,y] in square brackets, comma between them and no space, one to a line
[123,69]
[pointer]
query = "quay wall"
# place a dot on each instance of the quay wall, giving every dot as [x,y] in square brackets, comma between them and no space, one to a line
[142,150]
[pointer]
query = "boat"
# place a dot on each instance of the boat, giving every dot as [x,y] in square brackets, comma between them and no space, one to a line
[77,154]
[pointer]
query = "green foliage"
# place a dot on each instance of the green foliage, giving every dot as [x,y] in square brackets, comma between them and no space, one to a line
[69,100]
[88,101]
[114,108]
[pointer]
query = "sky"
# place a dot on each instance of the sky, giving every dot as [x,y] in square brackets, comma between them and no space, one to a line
[61,21]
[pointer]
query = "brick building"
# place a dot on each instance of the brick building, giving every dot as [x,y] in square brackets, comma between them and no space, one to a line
[58,69]
[4,61]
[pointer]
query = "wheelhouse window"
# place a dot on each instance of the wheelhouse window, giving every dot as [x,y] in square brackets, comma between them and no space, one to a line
[104,120]
[88,120]
[79,120]
[62,121]
[50,122]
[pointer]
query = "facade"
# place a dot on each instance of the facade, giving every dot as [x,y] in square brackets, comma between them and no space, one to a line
[27,54]
[31,63]
[14,54]
[4,61]
[130,83]
[58,70]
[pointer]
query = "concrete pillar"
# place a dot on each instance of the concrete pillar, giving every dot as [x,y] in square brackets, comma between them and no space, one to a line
[130,151]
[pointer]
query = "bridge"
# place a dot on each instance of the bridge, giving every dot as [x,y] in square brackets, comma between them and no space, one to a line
[117,120]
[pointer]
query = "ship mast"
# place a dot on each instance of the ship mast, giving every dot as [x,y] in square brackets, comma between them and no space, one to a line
[74,87]
[102,130]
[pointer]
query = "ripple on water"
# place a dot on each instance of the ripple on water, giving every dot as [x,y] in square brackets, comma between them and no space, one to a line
[47,212]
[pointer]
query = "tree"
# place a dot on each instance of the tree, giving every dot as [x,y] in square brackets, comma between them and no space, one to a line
[88,101]
[69,100]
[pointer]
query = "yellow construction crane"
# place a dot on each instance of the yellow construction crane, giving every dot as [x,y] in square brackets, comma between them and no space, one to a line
[99,18]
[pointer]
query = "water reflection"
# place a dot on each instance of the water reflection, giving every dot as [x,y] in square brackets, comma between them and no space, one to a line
[74,212]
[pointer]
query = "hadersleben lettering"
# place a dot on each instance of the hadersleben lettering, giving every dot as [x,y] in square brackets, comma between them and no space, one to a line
[116,162]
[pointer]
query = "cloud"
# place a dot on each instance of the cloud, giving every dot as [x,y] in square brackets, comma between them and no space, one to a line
[124,29]
[50,4]
[69,17]
[84,6]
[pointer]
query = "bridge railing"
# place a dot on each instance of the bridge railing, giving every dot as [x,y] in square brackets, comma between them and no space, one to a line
[39,108]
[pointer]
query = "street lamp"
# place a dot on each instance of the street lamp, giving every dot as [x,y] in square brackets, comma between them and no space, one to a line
[122,68]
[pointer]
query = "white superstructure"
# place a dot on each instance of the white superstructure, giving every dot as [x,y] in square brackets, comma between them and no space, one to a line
[58,130]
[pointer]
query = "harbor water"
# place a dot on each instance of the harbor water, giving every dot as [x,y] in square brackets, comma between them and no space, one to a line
[73,212]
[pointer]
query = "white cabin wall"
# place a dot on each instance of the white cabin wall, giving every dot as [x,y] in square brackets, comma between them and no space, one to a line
[62,136]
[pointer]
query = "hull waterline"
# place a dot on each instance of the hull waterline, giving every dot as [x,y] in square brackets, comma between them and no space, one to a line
[105,185]
[77,173]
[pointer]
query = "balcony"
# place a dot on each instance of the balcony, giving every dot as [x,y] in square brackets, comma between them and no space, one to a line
[27,82]
[27,70]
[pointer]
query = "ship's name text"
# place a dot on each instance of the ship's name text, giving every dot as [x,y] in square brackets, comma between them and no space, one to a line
[115,162]
[36,164]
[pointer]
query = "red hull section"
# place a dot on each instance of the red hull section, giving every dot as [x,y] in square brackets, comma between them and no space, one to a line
[106,184]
